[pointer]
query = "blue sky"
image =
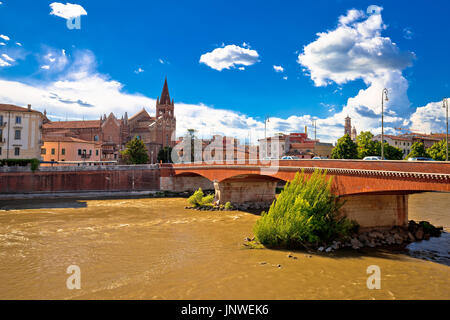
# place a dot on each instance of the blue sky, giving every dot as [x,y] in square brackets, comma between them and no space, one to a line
[117,62]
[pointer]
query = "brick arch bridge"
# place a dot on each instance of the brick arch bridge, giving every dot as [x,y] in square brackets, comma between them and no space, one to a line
[376,192]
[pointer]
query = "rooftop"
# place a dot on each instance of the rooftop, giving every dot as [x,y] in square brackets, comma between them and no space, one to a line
[11,107]
[72,124]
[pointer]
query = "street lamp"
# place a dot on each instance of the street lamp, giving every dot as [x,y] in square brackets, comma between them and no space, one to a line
[384,97]
[445,105]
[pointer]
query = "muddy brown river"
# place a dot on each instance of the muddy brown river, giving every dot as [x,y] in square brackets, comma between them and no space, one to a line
[155,249]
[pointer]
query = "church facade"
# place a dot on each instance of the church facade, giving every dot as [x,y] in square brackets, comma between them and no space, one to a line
[113,134]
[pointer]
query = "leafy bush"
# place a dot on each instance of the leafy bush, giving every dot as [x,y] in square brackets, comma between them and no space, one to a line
[208,200]
[198,199]
[305,213]
[21,162]
[228,206]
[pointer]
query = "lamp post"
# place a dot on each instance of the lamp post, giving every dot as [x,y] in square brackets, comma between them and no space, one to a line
[384,97]
[445,105]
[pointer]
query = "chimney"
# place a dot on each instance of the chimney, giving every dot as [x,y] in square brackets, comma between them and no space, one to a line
[29,107]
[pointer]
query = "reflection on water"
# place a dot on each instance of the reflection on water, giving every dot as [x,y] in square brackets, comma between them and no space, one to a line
[154,249]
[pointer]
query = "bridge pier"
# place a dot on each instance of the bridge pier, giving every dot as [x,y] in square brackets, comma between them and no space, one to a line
[185,183]
[376,211]
[255,193]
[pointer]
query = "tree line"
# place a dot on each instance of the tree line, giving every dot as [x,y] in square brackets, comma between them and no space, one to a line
[365,146]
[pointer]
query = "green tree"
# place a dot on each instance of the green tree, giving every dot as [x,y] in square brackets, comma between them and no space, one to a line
[345,149]
[136,152]
[417,150]
[437,151]
[391,152]
[164,155]
[305,213]
[366,145]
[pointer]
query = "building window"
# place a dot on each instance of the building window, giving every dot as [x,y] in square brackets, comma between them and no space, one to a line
[43,151]
[0,150]
[79,152]
[17,135]
[63,151]
[1,120]
[95,138]
[90,152]
[17,151]
[1,134]
[53,150]
[96,152]
[18,120]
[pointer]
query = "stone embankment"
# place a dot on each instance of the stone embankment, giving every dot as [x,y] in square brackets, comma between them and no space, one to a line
[376,238]
[380,238]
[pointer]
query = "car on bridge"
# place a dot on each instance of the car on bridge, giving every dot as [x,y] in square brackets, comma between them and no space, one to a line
[290,158]
[372,158]
[420,159]
[319,158]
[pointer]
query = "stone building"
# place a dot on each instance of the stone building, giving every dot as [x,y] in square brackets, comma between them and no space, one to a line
[113,134]
[294,144]
[20,132]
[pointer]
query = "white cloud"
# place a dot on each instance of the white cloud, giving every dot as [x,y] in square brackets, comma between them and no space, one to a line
[356,49]
[352,16]
[46,67]
[228,57]
[67,11]
[285,78]
[139,70]
[7,58]
[6,38]
[278,68]
[429,118]
[161,61]
[19,44]
[2,44]
[4,63]
[54,59]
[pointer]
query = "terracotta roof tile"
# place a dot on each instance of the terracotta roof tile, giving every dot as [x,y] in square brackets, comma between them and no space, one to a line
[72,124]
[11,107]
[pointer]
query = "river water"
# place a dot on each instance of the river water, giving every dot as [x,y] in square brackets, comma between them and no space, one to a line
[155,249]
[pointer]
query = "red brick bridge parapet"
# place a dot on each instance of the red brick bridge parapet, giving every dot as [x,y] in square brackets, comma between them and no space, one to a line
[376,192]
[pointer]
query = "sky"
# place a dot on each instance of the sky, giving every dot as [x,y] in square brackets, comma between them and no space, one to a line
[232,64]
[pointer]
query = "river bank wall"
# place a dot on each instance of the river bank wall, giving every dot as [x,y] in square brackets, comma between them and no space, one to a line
[21,180]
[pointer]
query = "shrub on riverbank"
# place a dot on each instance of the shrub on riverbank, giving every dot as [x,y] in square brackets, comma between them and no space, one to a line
[304,214]
[199,199]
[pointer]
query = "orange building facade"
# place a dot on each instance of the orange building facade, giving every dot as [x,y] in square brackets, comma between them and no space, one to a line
[67,149]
